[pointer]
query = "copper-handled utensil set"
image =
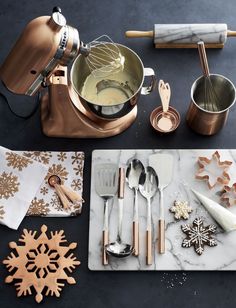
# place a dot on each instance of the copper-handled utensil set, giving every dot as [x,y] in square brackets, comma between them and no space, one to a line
[145,182]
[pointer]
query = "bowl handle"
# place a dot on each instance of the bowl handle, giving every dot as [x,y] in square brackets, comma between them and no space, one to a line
[149,72]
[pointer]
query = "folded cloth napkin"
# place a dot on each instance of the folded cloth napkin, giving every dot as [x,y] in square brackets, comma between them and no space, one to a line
[17,185]
[69,167]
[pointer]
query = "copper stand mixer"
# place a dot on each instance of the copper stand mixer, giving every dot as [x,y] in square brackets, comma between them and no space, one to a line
[38,62]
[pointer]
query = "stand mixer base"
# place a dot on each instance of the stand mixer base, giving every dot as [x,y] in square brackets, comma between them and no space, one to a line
[60,118]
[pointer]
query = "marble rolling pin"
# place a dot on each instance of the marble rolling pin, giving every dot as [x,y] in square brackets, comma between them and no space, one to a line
[186,35]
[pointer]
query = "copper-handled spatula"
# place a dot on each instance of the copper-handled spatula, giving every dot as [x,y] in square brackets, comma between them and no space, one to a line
[163,165]
[133,173]
[106,185]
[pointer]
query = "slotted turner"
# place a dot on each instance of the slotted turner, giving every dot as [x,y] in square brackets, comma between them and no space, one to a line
[163,165]
[106,185]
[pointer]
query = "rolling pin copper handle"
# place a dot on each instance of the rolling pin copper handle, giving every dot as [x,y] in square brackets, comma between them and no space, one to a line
[161,236]
[149,247]
[105,242]
[136,238]
[231,33]
[134,34]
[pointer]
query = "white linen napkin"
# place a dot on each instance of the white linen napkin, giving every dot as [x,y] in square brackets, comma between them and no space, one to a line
[69,167]
[20,179]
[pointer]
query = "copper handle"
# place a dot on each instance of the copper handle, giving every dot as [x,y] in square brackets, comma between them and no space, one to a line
[65,202]
[136,238]
[104,243]
[161,236]
[132,33]
[165,93]
[231,33]
[71,194]
[149,247]
[203,58]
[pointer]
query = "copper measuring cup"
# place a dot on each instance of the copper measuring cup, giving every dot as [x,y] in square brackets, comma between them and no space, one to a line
[164,119]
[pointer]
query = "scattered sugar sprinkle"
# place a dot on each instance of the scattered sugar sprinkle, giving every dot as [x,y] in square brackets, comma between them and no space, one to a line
[172,280]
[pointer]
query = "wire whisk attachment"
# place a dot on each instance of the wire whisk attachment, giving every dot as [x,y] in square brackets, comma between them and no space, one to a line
[104,57]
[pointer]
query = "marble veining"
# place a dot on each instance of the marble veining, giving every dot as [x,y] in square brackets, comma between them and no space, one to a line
[190,33]
[221,257]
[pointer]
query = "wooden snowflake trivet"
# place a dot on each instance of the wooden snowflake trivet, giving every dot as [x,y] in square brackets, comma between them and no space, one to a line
[198,236]
[40,263]
[181,209]
[213,170]
[229,195]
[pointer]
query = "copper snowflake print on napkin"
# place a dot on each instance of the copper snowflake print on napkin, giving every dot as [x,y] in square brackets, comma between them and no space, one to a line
[76,210]
[44,190]
[198,236]
[56,202]
[61,156]
[41,157]
[41,263]
[181,209]
[38,208]
[9,185]
[77,157]
[2,212]
[59,170]
[229,195]
[76,184]
[77,160]
[17,161]
[213,170]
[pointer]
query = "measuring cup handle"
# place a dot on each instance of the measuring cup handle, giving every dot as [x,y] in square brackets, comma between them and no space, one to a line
[149,72]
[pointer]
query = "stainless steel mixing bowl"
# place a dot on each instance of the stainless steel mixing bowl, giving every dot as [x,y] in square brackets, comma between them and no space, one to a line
[133,64]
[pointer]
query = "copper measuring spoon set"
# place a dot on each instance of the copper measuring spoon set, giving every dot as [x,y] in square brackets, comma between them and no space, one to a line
[67,196]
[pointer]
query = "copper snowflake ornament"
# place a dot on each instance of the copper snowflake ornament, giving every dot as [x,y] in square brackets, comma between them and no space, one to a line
[229,195]
[40,263]
[181,209]
[198,236]
[213,170]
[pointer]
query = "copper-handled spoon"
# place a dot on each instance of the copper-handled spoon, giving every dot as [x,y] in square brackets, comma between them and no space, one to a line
[148,187]
[133,172]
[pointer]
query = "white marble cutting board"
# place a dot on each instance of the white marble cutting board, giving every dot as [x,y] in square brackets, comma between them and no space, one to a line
[221,257]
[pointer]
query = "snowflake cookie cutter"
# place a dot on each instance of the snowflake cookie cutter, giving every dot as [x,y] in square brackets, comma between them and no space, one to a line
[213,179]
[198,235]
[229,195]
[40,263]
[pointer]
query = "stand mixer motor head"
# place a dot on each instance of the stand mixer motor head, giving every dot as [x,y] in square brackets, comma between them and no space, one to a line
[45,42]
